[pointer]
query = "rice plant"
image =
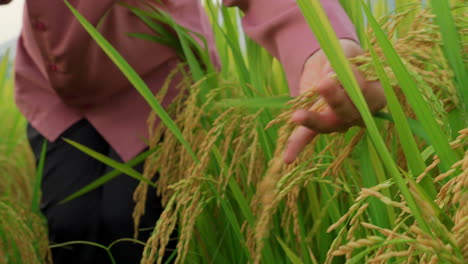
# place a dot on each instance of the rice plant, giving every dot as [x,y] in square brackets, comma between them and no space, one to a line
[23,233]
[394,191]
[349,198]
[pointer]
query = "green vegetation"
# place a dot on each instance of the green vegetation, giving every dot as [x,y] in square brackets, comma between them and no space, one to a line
[395,192]
[23,236]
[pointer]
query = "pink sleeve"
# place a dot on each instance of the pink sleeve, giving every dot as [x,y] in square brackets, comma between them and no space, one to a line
[283,31]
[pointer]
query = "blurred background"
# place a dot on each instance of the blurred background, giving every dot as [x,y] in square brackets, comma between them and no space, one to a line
[10,24]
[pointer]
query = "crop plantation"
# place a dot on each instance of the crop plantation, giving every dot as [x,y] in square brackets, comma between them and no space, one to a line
[394,190]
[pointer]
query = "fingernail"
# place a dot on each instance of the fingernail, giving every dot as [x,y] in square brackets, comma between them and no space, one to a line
[331,74]
[286,159]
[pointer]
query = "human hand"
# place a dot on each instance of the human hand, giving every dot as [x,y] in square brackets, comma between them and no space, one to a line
[340,113]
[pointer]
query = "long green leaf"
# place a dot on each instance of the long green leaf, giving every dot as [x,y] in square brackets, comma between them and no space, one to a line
[410,148]
[36,200]
[279,102]
[322,28]
[292,257]
[414,125]
[452,48]
[438,138]
[123,168]
[133,77]
[108,176]
[3,68]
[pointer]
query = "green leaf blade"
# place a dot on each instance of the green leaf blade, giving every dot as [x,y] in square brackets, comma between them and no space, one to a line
[133,77]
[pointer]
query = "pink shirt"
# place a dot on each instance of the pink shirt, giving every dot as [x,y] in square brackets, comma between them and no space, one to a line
[62,76]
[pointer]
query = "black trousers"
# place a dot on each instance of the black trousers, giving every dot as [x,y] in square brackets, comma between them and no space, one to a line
[101,216]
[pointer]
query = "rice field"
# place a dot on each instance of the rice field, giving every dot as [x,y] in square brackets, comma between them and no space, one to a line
[392,191]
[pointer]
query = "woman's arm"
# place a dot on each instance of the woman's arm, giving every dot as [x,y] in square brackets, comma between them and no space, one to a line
[340,113]
[280,27]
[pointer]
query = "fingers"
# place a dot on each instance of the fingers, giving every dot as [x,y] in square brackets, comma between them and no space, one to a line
[333,93]
[372,91]
[298,140]
[321,122]
[338,100]
[375,96]
[311,124]
[340,113]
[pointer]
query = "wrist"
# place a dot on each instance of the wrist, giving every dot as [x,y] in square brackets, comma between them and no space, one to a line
[350,47]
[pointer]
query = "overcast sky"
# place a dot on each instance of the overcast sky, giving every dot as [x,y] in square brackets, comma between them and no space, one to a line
[10,20]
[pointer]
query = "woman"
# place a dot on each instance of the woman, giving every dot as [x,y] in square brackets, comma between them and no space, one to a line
[66,87]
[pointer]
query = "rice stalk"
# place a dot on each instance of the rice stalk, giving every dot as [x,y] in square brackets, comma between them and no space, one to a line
[240,180]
